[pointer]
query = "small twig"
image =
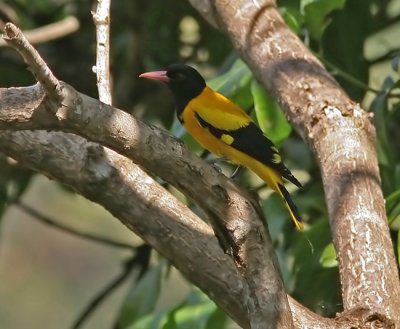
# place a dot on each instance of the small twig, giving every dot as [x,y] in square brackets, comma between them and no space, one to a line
[129,266]
[141,260]
[101,19]
[53,31]
[15,38]
[51,222]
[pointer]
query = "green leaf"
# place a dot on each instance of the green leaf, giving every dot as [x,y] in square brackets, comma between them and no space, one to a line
[316,12]
[234,84]
[379,108]
[293,18]
[217,320]
[277,215]
[191,316]
[229,81]
[395,62]
[151,321]
[394,214]
[270,117]
[328,257]
[142,298]
[398,247]
[392,200]
[307,273]
[393,206]
[194,312]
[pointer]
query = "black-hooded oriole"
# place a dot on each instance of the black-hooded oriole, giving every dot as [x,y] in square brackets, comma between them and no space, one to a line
[224,129]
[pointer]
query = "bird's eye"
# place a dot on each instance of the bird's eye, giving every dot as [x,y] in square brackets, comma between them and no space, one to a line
[178,76]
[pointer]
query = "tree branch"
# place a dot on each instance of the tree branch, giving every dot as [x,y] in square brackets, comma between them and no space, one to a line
[125,190]
[101,19]
[14,37]
[50,32]
[53,223]
[343,140]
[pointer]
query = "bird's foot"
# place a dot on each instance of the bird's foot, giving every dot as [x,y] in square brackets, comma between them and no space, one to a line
[215,163]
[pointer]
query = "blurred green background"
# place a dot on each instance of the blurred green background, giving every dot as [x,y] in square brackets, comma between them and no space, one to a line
[49,277]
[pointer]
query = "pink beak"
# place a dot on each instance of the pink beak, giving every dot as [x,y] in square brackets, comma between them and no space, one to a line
[155,75]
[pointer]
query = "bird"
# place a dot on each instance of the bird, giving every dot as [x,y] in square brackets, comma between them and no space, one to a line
[223,128]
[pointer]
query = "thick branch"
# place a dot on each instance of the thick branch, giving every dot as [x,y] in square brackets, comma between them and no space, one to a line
[343,140]
[129,194]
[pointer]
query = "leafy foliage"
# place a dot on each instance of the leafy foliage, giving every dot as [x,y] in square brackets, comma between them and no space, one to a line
[142,298]
[316,14]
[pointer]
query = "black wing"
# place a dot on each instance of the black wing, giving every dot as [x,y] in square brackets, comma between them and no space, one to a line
[251,140]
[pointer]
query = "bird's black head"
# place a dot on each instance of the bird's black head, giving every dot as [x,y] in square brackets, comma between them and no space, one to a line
[184,81]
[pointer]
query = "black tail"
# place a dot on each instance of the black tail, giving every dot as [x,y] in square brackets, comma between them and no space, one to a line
[294,212]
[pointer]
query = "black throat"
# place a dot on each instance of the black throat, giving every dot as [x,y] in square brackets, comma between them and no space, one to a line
[184,95]
[185,83]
